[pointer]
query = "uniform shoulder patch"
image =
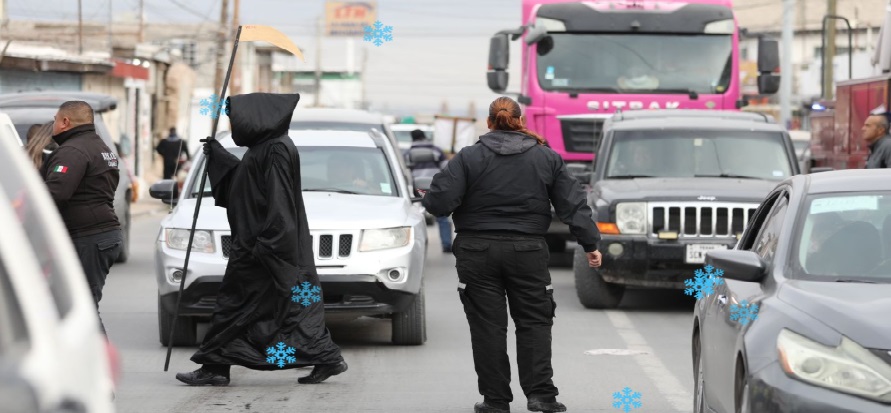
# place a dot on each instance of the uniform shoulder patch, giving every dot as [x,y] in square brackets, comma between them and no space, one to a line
[60,169]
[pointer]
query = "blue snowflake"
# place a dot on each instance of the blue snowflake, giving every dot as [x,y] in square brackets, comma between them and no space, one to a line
[744,312]
[212,106]
[703,285]
[306,294]
[379,34]
[626,400]
[280,354]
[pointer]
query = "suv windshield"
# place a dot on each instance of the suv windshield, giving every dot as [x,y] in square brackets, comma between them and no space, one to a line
[363,171]
[855,226]
[698,153]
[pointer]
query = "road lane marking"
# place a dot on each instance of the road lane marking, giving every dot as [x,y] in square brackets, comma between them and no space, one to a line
[667,384]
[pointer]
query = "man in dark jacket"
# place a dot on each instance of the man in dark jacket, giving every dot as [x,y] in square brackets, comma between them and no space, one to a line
[269,313]
[875,134]
[421,169]
[82,176]
[171,150]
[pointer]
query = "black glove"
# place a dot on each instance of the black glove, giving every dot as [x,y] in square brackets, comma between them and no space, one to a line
[211,145]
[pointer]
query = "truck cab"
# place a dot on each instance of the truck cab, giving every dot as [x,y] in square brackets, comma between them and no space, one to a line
[669,186]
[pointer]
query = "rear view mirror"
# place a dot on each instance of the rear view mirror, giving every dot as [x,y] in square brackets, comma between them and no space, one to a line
[737,264]
[499,56]
[423,182]
[768,84]
[166,190]
[421,155]
[768,55]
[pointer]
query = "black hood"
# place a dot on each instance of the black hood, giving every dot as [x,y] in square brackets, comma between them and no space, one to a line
[508,143]
[259,117]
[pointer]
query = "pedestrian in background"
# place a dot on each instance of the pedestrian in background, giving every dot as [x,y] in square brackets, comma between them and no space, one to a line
[875,134]
[172,149]
[421,169]
[82,175]
[40,143]
[271,256]
[500,191]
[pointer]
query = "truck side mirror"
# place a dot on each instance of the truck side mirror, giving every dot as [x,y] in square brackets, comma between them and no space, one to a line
[499,56]
[768,63]
[166,190]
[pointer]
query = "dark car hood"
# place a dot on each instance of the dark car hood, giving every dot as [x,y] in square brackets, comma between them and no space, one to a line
[685,189]
[858,311]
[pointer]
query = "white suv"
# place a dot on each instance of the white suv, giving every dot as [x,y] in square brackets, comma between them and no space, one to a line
[369,236]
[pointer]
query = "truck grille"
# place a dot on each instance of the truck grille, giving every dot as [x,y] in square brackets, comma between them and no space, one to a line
[226,241]
[326,245]
[700,219]
[581,135]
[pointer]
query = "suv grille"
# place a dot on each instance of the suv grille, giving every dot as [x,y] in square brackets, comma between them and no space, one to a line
[226,241]
[326,246]
[581,135]
[700,219]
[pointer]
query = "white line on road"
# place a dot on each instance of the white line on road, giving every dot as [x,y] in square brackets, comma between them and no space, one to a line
[668,385]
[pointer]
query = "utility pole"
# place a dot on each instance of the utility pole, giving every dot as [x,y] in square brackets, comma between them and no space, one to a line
[364,75]
[829,53]
[141,21]
[236,80]
[110,22]
[786,63]
[221,45]
[80,27]
[318,78]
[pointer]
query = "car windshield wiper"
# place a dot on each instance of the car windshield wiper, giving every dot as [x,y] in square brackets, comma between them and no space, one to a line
[590,90]
[206,194]
[339,191]
[855,280]
[630,176]
[726,175]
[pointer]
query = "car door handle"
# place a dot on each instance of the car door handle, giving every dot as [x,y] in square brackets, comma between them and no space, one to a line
[722,299]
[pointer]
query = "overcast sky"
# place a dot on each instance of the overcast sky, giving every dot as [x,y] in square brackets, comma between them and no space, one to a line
[439,51]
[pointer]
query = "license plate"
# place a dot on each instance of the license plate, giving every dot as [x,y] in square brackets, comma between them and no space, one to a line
[696,252]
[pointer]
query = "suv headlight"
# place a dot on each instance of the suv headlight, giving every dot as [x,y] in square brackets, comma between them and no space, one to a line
[178,239]
[381,239]
[848,368]
[631,217]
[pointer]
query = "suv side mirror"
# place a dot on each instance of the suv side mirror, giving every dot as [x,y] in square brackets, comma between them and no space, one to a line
[499,57]
[420,155]
[738,265]
[768,63]
[166,190]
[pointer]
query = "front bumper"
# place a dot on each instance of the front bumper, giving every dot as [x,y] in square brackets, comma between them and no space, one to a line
[771,390]
[648,262]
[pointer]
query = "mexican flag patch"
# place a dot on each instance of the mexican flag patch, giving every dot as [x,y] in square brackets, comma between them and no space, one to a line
[61,169]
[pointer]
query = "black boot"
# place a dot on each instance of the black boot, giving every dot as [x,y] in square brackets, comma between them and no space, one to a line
[486,407]
[321,373]
[203,377]
[544,404]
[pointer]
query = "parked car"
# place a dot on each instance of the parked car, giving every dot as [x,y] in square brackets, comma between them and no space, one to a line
[369,242]
[801,140]
[669,186]
[53,356]
[8,131]
[816,260]
[26,109]
[403,133]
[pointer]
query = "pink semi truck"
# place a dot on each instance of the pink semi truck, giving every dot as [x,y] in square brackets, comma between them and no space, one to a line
[582,61]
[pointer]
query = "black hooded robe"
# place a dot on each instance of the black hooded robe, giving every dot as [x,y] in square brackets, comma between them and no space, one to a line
[269,313]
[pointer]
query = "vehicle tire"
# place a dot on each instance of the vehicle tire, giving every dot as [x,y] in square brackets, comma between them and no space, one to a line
[186,333]
[593,292]
[125,230]
[556,243]
[698,378]
[410,326]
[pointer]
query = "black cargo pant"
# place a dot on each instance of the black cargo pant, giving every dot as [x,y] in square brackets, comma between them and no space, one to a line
[489,267]
[97,254]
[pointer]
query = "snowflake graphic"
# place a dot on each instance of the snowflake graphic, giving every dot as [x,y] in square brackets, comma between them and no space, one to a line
[280,354]
[704,282]
[744,312]
[379,34]
[626,400]
[306,294]
[212,106]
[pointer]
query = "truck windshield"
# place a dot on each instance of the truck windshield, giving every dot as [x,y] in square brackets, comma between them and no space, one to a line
[637,63]
[698,153]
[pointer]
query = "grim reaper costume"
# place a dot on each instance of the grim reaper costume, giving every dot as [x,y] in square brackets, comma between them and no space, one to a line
[269,313]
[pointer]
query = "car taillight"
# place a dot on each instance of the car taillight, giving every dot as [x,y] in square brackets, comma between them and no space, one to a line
[114,361]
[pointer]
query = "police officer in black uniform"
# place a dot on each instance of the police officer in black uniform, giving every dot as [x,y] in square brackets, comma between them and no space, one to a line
[500,191]
[82,175]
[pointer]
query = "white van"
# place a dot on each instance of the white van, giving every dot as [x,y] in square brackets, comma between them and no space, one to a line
[60,360]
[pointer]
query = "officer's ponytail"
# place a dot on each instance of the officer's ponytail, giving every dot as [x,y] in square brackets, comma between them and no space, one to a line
[505,115]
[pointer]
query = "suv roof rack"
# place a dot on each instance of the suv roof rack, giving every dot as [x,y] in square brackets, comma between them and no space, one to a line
[696,113]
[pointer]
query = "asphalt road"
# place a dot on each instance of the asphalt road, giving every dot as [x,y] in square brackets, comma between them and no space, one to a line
[652,330]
